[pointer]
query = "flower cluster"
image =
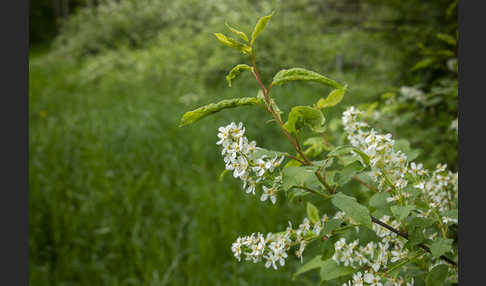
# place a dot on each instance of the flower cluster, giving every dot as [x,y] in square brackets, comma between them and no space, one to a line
[374,256]
[240,157]
[440,189]
[388,166]
[273,247]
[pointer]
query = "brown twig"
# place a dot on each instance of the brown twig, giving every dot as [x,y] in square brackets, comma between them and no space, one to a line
[405,235]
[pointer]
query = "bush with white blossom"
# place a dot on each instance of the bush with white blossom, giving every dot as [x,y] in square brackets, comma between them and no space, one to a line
[398,228]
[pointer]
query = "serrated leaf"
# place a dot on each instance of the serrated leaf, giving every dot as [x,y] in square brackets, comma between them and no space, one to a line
[440,246]
[352,208]
[300,176]
[332,99]
[314,263]
[292,74]
[240,34]
[437,276]
[331,270]
[236,72]
[347,148]
[230,42]
[260,25]
[400,212]
[301,116]
[201,112]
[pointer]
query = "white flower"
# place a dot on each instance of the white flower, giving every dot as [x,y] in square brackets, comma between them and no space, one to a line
[415,169]
[305,226]
[241,167]
[269,193]
[236,248]
[271,259]
[236,131]
[340,215]
[392,198]
[281,256]
[260,167]
[447,220]
[358,279]
[324,218]
[223,135]
[274,163]
[251,186]
[373,280]
[301,249]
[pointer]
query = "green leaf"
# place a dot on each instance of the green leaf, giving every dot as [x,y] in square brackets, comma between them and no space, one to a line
[419,222]
[312,213]
[327,248]
[415,236]
[352,208]
[293,163]
[221,176]
[314,263]
[317,145]
[378,200]
[296,193]
[346,149]
[447,38]
[323,164]
[404,146]
[230,42]
[451,213]
[331,270]
[292,74]
[239,33]
[301,116]
[333,98]
[300,176]
[348,172]
[400,212]
[260,152]
[437,276]
[201,112]
[236,72]
[440,246]
[260,25]
[331,225]
[427,62]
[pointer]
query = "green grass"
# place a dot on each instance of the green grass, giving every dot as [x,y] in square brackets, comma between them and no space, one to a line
[120,195]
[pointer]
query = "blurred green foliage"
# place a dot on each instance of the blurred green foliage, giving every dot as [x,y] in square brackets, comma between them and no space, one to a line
[120,195]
